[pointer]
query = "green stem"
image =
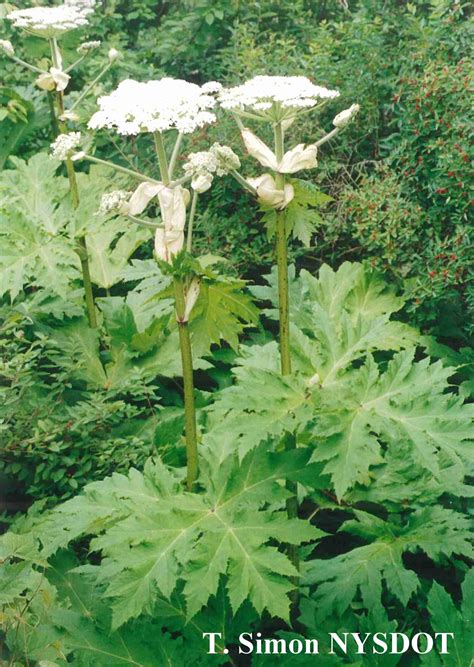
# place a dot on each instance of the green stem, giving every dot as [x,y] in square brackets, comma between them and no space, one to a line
[282,264]
[241,180]
[174,154]
[192,213]
[327,137]
[81,245]
[161,153]
[285,354]
[87,90]
[123,170]
[52,111]
[188,384]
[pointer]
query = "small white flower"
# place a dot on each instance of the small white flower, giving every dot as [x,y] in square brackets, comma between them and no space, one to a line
[86,47]
[274,97]
[161,105]
[115,201]
[268,193]
[202,165]
[344,118]
[49,22]
[63,146]
[7,47]
[211,87]
[114,55]
[85,6]
[298,158]
[226,159]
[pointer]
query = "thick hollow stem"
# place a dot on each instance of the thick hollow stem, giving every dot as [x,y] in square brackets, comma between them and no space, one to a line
[282,265]
[188,385]
[285,354]
[174,155]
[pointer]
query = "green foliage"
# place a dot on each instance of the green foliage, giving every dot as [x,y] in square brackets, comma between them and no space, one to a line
[39,228]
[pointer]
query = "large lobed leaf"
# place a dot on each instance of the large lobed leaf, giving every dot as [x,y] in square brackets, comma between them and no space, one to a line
[153,535]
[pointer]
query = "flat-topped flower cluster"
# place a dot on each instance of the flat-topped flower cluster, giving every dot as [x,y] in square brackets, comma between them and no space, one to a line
[263,92]
[152,106]
[50,21]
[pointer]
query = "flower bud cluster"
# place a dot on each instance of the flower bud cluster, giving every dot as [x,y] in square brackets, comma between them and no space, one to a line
[86,47]
[116,201]
[202,166]
[64,145]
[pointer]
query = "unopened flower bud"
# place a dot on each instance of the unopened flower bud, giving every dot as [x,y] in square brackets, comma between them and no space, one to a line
[344,118]
[78,156]
[55,79]
[202,182]
[114,55]
[86,47]
[7,47]
[268,193]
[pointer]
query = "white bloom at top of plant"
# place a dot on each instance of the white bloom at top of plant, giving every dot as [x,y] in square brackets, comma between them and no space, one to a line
[154,106]
[49,21]
[62,147]
[265,93]
[268,193]
[86,6]
[85,47]
[345,117]
[115,201]
[211,87]
[113,55]
[7,46]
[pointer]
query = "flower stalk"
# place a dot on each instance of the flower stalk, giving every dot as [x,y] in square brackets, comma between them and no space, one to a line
[190,428]
[81,244]
[284,330]
[188,383]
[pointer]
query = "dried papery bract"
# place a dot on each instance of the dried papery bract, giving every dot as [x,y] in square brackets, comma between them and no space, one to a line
[279,100]
[155,107]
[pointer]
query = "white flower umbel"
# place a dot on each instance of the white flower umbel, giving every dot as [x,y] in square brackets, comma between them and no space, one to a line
[86,6]
[165,104]
[344,117]
[49,22]
[274,98]
[116,201]
[64,145]
[7,47]
[226,159]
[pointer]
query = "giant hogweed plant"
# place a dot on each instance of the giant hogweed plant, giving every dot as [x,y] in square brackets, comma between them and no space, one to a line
[343,418]
[51,23]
